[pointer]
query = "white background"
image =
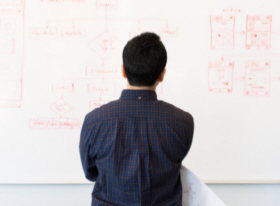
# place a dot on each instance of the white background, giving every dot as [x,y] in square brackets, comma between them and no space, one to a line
[236,136]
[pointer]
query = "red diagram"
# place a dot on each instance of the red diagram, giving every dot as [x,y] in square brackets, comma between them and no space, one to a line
[168,32]
[257,80]
[99,99]
[43,32]
[103,91]
[7,25]
[258,32]
[104,44]
[107,4]
[222,32]
[11,52]
[63,88]
[92,70]
[55,123]
[102,88]
[61,107]
[73,32]
[220,76]
[11,2]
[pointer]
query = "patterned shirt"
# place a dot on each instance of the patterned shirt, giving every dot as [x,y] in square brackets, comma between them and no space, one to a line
[133,148]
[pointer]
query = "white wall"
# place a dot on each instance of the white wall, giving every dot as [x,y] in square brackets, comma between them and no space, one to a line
[248,195]
[80,195]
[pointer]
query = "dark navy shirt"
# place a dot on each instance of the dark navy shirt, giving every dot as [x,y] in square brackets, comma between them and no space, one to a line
[133,148]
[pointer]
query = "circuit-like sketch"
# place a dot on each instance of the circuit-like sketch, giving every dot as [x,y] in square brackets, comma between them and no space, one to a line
[226,31]
[257,81]
[258,32]
[222,32]
[220,76]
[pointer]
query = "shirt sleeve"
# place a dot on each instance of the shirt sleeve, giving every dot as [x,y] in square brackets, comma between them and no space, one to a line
[88,162]
[189,132]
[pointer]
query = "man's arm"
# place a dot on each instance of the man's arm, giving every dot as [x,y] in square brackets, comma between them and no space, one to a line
[189,132]
[88,162]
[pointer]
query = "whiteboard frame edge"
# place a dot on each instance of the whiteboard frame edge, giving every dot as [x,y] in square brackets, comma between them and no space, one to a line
[241,182]
[262,182]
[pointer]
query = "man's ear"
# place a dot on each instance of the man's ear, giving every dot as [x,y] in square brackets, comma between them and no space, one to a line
[123,72]
[161,76]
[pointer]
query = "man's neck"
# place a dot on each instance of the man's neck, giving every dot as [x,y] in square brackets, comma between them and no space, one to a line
[142,88]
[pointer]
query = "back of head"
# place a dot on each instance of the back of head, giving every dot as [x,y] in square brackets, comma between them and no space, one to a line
[144,59]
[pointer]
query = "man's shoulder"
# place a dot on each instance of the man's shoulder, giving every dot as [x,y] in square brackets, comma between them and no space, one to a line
[119,108]
[174,110]
[103,111]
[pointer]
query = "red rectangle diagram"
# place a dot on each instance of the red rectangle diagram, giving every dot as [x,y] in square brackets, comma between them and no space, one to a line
[107,4]
[168,32]
[258,32]
[220,76]
[63,88]
[257,80]
[222,32]
[11,2]
[66,123]
[55,123]
[7,46]
[73,32]
[43,32]
[104,88]
[92,70]
[37,124]
[52,124]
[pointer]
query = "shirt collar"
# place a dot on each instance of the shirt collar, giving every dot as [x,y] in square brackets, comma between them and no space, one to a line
[129,94]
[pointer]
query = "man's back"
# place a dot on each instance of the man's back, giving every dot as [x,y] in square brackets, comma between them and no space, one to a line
[133,148]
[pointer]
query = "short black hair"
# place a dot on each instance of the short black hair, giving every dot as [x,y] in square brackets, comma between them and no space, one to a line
[144,59]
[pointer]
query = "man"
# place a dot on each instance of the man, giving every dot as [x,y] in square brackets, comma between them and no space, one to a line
[133,147]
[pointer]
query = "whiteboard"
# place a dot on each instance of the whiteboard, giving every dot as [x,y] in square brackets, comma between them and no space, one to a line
[60,59]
